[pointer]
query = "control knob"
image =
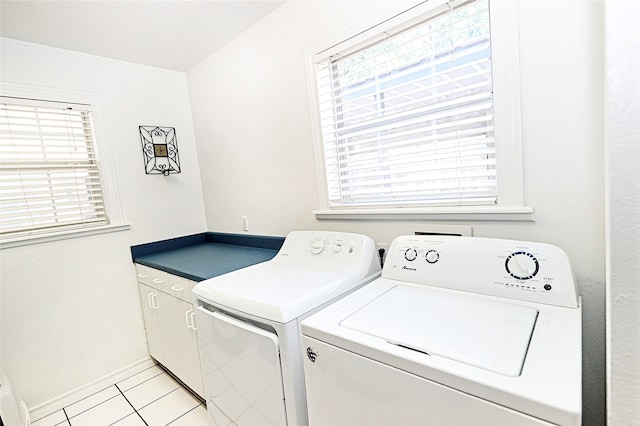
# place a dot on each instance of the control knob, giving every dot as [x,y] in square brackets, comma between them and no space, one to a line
[317,246]
[432,256]
[411,254]
[522,265]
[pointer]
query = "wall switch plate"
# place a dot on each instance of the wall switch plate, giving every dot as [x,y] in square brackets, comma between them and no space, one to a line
[245,223]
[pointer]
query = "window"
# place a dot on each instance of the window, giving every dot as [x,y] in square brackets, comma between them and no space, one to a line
[407,115]
[50,177]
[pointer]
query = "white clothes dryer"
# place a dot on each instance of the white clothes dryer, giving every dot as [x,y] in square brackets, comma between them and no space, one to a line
[456,331]
[248,324]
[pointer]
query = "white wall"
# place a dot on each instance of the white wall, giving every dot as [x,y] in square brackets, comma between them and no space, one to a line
[251,118]
[623,211]
[70,309]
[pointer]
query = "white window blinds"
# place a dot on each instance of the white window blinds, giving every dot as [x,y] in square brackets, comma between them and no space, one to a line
[49,176]
[408,120]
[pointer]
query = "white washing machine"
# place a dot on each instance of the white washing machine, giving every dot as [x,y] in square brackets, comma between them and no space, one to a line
[248,324]
[457,331]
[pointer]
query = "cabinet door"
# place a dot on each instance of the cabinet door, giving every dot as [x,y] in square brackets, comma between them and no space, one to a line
[170,324]
[189,367]
[148,298]
[168,330]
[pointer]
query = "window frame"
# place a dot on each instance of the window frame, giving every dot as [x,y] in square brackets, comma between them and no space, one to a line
[507,108]
[106,165]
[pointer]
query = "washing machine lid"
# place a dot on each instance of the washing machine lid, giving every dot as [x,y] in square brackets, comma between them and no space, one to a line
[483,333]
[275,291]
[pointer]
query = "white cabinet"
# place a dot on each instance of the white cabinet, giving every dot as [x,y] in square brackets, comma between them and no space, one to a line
[187,345]
[170,324]
[150,311]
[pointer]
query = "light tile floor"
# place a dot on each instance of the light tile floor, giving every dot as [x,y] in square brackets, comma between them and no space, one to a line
[151,398]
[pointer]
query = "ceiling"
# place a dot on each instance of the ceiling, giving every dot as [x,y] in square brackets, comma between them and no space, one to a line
[163,33]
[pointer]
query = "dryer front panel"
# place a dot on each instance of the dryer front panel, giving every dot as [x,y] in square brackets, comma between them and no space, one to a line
[241,371]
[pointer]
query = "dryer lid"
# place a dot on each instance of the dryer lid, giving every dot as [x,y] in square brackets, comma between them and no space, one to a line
[276,291]
[483,333]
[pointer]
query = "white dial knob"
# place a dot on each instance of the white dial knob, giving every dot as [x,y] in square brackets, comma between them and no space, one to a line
[432,256]
[317,246]
[522,265]
[410,254]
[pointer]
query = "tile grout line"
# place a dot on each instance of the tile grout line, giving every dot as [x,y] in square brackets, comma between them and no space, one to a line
[129,402]
[87,409]
[161,396]
[68,419]
[66,416]
[141,383]
[97,392]
[184,414]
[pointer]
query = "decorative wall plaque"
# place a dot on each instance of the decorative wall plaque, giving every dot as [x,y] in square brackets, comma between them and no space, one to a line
[160,150]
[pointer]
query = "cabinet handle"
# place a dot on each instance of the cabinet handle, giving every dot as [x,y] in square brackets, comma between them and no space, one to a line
[190,318]
[187,318]
[176,288]
[157,281]
[193,321]
[142,275]
[154,304]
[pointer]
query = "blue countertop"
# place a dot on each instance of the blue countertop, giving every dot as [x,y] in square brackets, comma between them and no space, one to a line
[202,256]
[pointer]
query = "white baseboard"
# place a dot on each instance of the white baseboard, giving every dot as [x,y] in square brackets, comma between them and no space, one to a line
[59,402]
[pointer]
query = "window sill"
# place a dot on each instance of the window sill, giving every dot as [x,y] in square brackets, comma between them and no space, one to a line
[76,233]
[468,213]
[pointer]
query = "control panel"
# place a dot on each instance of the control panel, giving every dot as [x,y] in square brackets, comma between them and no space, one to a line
[329,250]
[522,270]
[324,245]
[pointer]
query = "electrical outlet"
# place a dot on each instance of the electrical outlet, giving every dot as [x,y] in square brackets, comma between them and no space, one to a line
[245,223]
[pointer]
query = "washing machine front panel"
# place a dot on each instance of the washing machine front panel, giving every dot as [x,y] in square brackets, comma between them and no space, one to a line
[547,388]
[346,388]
